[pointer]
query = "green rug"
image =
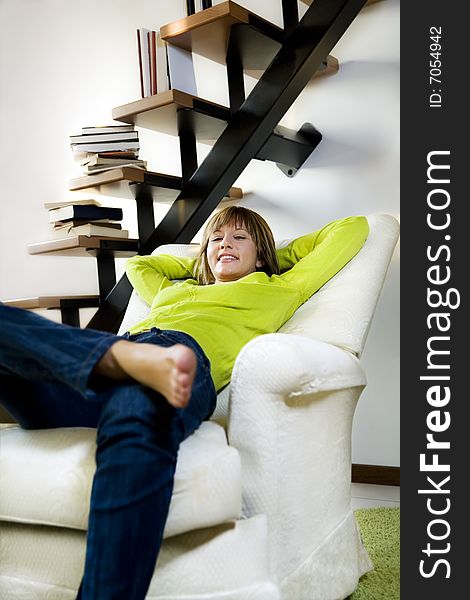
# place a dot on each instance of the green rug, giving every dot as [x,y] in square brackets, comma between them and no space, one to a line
[380,531]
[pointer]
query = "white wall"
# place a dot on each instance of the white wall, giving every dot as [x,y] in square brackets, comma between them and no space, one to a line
[66,64]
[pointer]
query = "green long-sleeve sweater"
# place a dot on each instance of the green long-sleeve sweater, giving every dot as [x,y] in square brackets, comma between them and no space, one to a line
[223,318]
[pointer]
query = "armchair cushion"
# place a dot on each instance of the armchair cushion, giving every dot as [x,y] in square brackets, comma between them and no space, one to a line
[226,562]
[46,476]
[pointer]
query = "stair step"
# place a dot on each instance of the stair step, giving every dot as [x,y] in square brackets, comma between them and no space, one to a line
[207,33]
[82,245]
[54,302]
[208,119]
[111,176]
[159,112]
[165,187]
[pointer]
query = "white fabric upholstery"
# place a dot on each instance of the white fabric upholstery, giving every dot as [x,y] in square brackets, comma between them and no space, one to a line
[288,413]
[227,561]
[46,475]
[305,390]
[340,313]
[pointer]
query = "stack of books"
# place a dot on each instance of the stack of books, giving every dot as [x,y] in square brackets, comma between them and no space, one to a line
[85,217]
[153,66]
[107,147]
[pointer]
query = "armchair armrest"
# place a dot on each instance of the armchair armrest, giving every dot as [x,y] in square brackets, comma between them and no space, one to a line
[291,407]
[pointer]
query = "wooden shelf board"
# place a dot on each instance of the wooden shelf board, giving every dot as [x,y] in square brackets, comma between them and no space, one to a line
[111,176]
[52,301]
[165,188]
[159,112]
[82,245]
[206,33]
[224,15]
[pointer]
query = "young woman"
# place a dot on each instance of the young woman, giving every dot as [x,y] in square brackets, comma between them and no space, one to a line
[148,390]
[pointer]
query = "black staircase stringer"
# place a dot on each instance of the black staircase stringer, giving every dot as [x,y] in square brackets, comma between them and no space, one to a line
[301,54]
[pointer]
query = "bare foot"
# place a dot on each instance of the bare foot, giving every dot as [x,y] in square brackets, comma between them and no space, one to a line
[169,371]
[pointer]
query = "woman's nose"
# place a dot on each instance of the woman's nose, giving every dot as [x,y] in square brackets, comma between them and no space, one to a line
[225,243]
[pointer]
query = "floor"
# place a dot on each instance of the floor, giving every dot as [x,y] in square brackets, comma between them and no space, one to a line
[365,495]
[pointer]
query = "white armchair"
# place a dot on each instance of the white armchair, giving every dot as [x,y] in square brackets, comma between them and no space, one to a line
[261,504]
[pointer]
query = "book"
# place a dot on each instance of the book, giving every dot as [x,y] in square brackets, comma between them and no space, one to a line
[107,129]
[163,81]
[144,61]
[181,70]
[100,159]
[139,55]
[87,201]
[87,212]
[99,222]
[119,154]
[91,229]
[138,164]
[105,146]
[125,136]
[153,63]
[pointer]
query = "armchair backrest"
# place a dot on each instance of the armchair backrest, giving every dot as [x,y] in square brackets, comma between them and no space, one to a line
[340,312]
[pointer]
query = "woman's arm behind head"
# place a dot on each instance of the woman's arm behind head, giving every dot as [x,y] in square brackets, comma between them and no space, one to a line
[315,258]
[148,274]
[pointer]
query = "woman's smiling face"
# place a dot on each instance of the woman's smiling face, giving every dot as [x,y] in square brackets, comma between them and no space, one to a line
[232,253]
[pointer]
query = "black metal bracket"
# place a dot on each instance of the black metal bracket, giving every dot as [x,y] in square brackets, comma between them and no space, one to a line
[290,14]
[70,309]
[106,272]
[290,149]
[250,127]
[233,59]
[70,316]
[187,138]
[145,215]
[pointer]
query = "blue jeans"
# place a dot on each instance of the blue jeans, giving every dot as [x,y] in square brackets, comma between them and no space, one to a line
[45,382]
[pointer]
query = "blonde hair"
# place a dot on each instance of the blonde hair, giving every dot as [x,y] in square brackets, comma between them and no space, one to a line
[254,224]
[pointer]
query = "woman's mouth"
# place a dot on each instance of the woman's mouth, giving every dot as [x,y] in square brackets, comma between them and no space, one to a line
[227,258]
